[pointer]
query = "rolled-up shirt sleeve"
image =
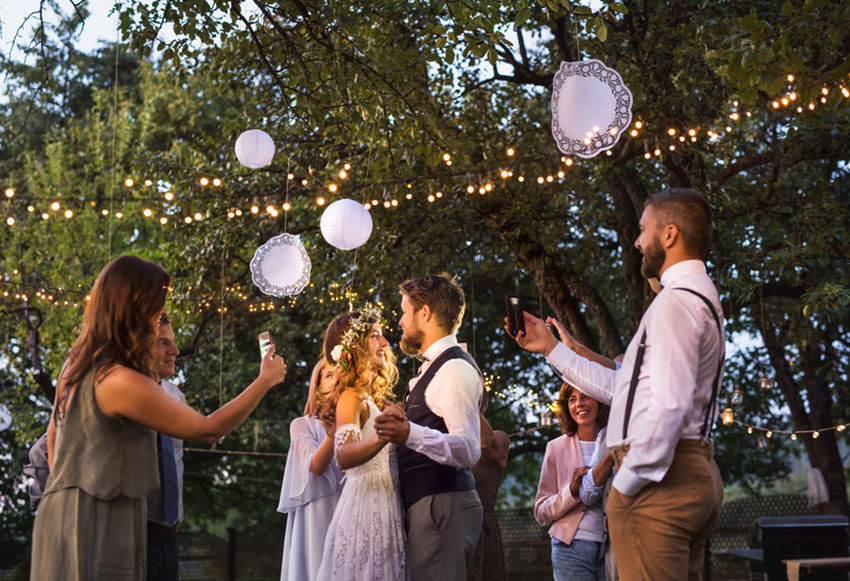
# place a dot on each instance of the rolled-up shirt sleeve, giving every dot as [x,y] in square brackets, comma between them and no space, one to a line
[588,377]
[453,394]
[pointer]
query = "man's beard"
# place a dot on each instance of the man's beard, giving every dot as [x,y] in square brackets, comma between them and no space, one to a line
[411,343]
[653,259]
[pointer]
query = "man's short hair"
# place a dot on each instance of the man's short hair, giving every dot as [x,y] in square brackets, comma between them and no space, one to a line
[164,320]
[689,211]
[442,295]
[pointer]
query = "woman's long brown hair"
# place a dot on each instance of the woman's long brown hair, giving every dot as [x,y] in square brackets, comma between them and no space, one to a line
[120,321]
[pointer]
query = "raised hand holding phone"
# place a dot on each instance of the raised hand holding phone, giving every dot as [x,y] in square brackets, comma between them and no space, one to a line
[272,366]
[265,339]
[516,321]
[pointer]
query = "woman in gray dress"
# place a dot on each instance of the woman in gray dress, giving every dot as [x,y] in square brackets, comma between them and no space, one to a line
[101,438]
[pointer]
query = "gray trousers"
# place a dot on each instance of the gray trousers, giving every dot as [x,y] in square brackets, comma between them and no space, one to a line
[442,533]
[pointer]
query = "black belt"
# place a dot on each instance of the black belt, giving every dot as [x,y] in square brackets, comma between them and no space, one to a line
[164,530]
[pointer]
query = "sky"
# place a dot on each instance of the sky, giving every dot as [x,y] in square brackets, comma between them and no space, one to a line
[13,13]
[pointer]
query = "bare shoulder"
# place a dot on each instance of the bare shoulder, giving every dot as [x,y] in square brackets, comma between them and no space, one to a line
[350,399]
[119,379]
[117,373]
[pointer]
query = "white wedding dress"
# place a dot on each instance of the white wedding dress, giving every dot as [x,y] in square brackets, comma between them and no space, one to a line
[366,538]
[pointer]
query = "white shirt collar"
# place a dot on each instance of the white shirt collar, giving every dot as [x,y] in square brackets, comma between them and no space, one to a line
[682,269]
[439,346]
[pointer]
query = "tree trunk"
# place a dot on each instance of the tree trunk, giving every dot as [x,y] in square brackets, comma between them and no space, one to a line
[822,451]
[564,289]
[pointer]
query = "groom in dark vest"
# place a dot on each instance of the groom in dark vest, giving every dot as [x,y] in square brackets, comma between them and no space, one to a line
[437,432]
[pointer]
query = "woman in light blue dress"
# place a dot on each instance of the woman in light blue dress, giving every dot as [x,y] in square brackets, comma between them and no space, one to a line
[312,482]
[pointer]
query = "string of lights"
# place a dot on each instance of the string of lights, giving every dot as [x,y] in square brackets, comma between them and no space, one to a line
[664,139]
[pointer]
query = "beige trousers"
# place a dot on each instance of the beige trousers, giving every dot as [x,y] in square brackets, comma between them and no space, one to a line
[662,535]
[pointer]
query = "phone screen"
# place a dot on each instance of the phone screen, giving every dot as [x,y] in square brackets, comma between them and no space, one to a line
[516,321]
[265,342]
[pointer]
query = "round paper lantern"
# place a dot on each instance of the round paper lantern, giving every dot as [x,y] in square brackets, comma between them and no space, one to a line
[281,266]
[255,148]
[346,224]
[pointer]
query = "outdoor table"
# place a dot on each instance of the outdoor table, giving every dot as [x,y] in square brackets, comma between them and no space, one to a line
[797,566]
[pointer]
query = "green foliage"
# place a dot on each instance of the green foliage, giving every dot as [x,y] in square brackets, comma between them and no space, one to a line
[389,88]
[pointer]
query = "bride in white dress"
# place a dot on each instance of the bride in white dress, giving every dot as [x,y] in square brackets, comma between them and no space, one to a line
[366,538]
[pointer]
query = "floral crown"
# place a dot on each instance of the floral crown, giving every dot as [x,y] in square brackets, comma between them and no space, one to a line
[343,352]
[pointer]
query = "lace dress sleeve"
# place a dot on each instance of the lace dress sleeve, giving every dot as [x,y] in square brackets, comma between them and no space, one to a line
[345,434]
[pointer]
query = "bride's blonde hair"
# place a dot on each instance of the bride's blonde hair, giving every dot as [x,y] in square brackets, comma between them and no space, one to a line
[354,366]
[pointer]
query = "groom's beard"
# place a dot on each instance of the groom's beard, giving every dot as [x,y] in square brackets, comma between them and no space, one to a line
[411,343]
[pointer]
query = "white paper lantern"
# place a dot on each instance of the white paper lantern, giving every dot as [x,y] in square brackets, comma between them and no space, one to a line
[255,148]
[281,266]
[346,224]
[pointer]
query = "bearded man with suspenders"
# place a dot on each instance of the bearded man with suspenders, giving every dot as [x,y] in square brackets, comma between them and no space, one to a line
[667,489]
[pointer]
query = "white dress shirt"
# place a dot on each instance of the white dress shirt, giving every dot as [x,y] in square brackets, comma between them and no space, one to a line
[676,379]
[453,394]
[154,498]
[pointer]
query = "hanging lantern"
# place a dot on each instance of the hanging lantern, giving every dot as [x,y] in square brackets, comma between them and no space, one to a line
[281,266]
[346,224]
[255,148]
[762,443]
[546,419]
[728,418]
[737,398]
[591,107]
[766,384]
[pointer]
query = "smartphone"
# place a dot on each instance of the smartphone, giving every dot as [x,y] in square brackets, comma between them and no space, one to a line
[516,320]
[265,342]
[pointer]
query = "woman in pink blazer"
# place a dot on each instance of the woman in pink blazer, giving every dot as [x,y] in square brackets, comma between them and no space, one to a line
[576,530]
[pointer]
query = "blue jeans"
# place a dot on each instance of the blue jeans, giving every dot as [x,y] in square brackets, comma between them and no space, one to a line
[578,561]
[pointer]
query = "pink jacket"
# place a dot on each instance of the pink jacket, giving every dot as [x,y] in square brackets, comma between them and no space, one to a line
[554,504]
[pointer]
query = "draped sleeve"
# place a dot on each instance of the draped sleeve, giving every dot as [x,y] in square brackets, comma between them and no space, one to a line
[301,486]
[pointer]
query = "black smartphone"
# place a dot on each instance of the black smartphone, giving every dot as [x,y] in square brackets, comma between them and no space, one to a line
[516,320]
